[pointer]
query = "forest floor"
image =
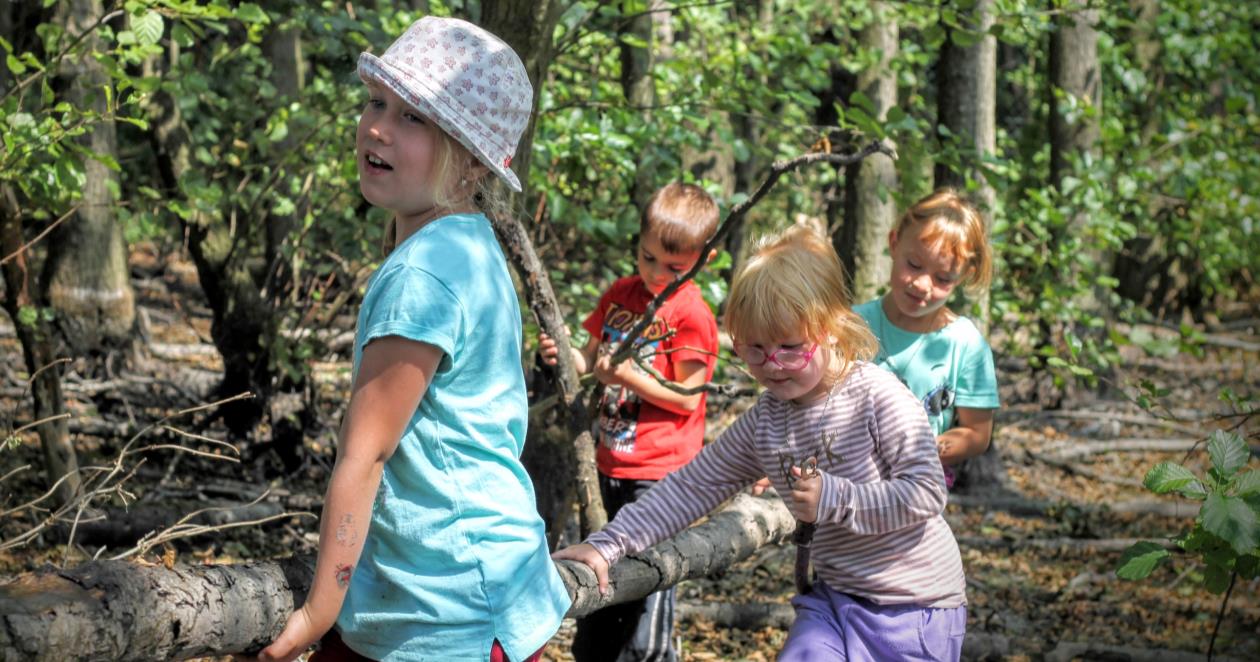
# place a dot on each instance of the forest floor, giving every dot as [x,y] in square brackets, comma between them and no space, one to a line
[1040,561]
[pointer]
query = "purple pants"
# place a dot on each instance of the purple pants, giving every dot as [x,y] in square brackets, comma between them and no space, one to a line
[833,626]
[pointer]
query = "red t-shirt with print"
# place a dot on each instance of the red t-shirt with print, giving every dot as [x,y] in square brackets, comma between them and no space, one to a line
[637,439]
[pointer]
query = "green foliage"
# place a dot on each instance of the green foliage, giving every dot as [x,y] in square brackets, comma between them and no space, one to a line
[1171,183]
[1226,533]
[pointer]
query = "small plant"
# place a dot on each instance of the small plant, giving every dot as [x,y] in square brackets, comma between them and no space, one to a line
[1226,532]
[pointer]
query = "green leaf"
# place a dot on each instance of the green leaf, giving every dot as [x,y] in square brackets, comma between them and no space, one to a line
[1140,560]
[148,28]
[1228,452]
[1233,520]
[1248,566]
[1168,477]
[249,12]
[1216,578]
[1247,483]
[28,315]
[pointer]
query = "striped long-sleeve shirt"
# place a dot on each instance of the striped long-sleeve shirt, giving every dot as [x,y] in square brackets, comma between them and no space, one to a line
[880,532]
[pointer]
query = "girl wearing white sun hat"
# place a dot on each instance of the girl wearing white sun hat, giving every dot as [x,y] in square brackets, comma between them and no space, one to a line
[430,545]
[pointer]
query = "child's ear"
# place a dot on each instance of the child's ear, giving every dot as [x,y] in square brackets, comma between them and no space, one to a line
[711,256]
[892,240]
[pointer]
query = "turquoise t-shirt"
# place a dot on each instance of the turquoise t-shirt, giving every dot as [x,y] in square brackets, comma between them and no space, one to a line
[947,368]
[456,554]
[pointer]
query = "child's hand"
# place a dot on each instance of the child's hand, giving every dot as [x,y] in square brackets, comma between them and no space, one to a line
[299,634]
[547,349]
[806,491]
[587,554]
[609,375]
[759,487]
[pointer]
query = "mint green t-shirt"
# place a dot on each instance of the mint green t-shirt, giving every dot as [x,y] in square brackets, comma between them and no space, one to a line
[945,369]
[456,554]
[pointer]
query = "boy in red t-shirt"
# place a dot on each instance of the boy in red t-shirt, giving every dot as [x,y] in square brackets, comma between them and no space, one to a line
[647,430]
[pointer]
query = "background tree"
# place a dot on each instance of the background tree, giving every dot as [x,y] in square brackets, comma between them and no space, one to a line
[870,202]
[86,275]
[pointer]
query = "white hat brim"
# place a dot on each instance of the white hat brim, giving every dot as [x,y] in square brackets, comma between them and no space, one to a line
[448,117]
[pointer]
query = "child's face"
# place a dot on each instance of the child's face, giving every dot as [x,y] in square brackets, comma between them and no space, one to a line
[395,148]
[658,267]
[923,277]
[787,382]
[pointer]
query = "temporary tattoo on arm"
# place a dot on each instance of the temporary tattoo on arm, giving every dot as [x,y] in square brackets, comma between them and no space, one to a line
[346,533]
[343,574]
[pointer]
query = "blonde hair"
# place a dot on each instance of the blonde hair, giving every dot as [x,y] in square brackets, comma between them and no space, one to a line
[794,281]
[452,161]
[949,223]
[684,217]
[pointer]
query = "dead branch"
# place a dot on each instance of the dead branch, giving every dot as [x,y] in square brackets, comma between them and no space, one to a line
[101,482]
[1026,507]
[740,615]
[733,218]
[542,302]
[1079,545]
[114,610]
[1067,651]
[1086,449]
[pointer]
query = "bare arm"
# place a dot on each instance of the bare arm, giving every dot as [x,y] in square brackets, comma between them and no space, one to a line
[393,377]
[969,438]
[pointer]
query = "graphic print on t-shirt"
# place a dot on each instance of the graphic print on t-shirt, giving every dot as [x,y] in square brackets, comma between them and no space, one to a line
[938,400]
[619,408]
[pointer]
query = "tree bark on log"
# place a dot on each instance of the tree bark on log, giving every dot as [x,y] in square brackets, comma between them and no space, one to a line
[116,610]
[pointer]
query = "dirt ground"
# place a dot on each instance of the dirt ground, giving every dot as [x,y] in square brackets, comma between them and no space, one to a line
[1036,581]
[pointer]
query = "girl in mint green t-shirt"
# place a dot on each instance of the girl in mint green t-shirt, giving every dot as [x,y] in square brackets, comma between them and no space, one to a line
[430,544]
[939,244]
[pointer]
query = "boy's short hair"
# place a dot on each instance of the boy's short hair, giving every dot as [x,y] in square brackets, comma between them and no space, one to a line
[683,216]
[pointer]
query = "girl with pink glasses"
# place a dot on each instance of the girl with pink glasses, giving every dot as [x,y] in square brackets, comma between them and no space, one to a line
[851,450]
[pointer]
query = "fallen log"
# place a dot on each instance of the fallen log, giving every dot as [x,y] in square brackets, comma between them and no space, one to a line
[1081,545]
[118,610]
[739,615]
[1070,650]
[1086,449]
[1026,507]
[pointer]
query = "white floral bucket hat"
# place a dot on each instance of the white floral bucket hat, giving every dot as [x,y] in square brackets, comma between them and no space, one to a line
[465,79]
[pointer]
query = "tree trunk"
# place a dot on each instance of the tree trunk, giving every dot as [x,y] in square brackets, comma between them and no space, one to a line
[1074,72]
[243,324]
[1148,275]
[870,208]
[748,171]
[86,275]
[639,87]
[116,610]
[553,469]
[288,75]
[528,27]
[967,106]
[1075,77]
[35,335]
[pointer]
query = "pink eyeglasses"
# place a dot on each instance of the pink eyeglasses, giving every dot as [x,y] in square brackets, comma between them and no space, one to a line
[786,359]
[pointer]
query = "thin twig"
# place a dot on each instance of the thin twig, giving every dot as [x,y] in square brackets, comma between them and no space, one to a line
[47,419]
[1220,616]
[706,387]
[52,226]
